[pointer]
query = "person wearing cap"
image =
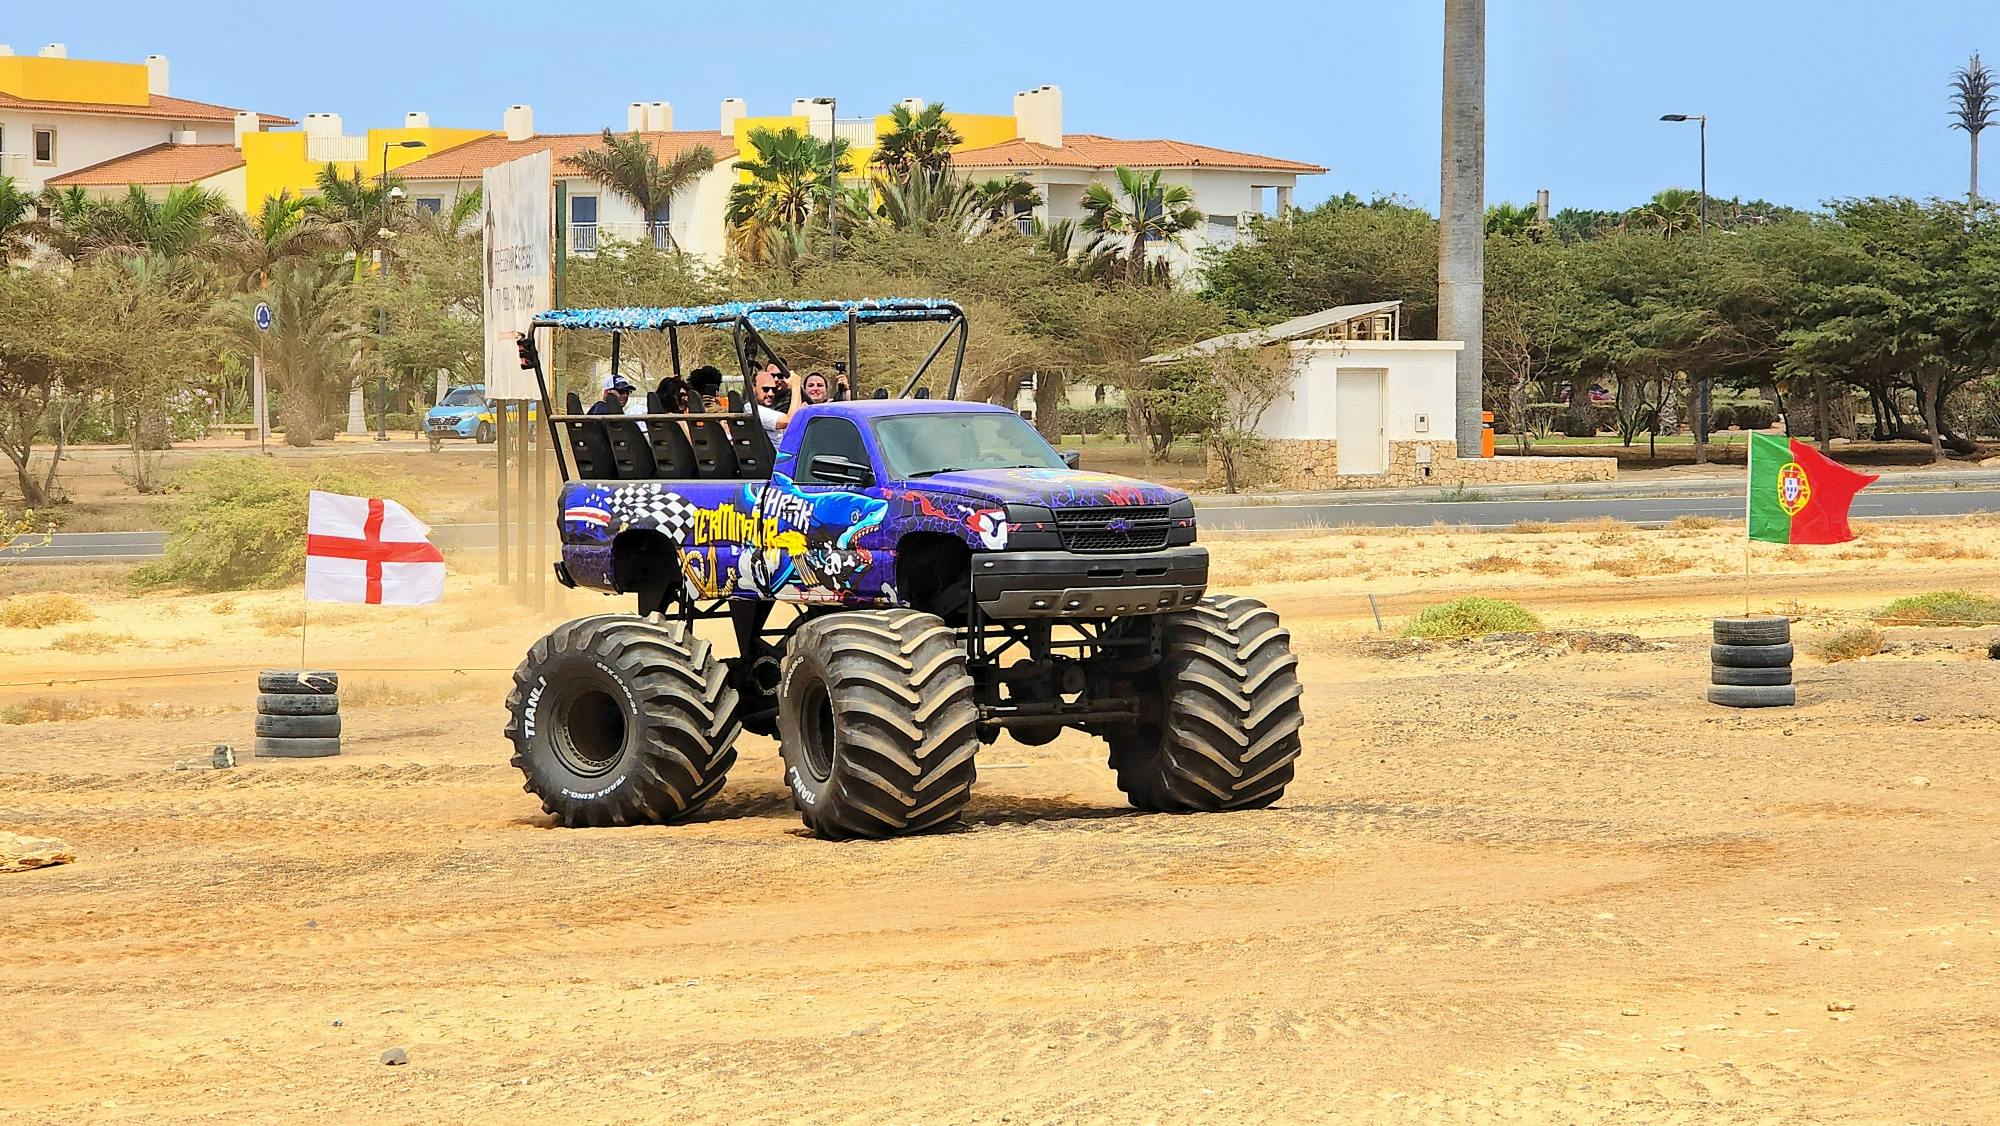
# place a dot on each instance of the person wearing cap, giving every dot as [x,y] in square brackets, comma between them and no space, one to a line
[617,393]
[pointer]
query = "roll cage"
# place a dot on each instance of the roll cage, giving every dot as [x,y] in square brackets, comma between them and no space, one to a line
[748,322]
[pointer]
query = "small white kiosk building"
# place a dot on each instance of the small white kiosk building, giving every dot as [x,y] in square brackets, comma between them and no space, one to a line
[1368,409]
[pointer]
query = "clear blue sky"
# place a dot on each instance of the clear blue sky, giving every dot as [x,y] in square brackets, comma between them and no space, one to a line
[1808,100]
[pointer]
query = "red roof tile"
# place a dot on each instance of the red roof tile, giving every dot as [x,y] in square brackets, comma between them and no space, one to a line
[158,105]
[474,157]
[1088,150]
[161,164]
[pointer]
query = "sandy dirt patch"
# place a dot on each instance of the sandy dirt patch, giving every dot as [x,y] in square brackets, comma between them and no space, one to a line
[1518,881]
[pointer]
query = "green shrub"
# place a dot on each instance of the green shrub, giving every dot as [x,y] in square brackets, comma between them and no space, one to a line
[1107,422]
[1472,617]
[240,522]
[1945,607]
[1577,422]
[1755,416]
[1722,418]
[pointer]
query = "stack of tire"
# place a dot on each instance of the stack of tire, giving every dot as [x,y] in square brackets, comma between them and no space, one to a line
[298,713]
[1751,663]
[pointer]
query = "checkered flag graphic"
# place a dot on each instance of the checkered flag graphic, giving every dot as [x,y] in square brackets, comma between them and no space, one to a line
[644,506]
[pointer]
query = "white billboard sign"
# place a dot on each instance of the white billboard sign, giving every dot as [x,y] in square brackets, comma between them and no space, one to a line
[520,256]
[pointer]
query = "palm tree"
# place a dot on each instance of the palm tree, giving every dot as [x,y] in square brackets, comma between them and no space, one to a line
[310,347]
[1973,97]
[923,204]
[356,209]
[919,142]
[284,228]
[1512,220]
[17,216]
[1675,211]
[791,177]
[1004,198]
[181,225]
[631,167]
[64,225]
[455,223]
[1143,210]
[1461,233]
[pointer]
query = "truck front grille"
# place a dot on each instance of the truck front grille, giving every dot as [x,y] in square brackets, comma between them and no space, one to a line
[1115,528]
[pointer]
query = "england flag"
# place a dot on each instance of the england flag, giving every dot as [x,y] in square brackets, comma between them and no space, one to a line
[365,549]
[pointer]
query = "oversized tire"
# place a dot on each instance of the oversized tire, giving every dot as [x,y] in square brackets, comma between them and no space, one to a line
[484,434]
[267,747]
[274,703]
[877,723]
[298,726]
[1723,674]
[1231,720]
[1753,631]
[621,721]
[1751,656]
[292,682]
[1753,696]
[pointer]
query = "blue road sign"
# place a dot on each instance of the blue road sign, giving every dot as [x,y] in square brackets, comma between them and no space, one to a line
[263,317]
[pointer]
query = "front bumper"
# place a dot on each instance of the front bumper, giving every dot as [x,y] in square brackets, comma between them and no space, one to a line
[1062,584]
[451,427]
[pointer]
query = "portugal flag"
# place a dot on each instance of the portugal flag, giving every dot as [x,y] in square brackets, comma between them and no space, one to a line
[1799,495]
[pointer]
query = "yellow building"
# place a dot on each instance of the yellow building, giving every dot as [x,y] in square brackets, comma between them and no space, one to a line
[292,161]
[61,116]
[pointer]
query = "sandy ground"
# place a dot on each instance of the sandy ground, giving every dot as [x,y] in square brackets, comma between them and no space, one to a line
[1512,882]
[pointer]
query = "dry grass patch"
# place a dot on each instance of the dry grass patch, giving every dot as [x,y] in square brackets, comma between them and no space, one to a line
[1648,560]
[1493,564]
[1943,549]
[1551,567]
[1535,527]
[1688,522]
[1849,644]
[91,641]
[40,611]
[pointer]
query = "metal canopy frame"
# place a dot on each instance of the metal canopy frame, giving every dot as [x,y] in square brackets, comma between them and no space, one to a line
[749,343]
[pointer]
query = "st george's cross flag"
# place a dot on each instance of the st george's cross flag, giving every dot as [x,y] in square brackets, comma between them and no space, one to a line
[365,549]
[1799,495]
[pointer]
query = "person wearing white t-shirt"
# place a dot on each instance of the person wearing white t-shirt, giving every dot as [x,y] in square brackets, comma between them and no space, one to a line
[770,391]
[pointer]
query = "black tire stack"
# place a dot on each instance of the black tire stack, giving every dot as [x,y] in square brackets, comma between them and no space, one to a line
[298,713]
[1751,663]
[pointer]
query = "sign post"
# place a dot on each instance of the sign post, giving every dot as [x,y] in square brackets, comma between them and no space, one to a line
[520,255]
[258,403]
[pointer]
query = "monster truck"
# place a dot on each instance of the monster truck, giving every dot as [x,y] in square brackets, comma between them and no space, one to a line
[948,576]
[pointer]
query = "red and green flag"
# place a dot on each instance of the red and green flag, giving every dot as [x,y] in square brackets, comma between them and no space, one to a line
[1799,495]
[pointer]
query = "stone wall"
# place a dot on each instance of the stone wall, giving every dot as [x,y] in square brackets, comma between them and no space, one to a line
[1306,465]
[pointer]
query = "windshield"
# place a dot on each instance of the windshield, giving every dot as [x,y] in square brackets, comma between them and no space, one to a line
[462,397]
[918,445]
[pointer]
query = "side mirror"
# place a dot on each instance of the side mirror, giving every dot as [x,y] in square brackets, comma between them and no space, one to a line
[1072,458]
[828,467]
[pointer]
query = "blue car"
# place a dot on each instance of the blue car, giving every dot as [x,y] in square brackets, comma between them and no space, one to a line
[464,413]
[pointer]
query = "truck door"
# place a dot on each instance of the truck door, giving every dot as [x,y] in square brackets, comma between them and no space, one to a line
[832,503]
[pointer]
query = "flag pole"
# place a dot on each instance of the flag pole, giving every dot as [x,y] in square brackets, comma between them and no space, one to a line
[1749,483]
[305,612]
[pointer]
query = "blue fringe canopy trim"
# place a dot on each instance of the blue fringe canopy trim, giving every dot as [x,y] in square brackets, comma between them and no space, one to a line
[765,316]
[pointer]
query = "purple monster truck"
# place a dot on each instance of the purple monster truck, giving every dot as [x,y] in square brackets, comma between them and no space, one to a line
[951,576]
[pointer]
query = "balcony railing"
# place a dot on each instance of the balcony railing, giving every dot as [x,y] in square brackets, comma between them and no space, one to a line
[337,150]
[585,238]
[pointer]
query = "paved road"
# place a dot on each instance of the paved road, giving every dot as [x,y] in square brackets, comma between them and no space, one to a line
[1482,514]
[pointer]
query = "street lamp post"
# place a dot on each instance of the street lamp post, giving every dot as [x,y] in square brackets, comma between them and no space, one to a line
[382,258]
[1702,409]
[1702,119]
[833,162]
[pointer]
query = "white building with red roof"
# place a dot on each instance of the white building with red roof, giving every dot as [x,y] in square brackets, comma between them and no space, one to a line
[59,116]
